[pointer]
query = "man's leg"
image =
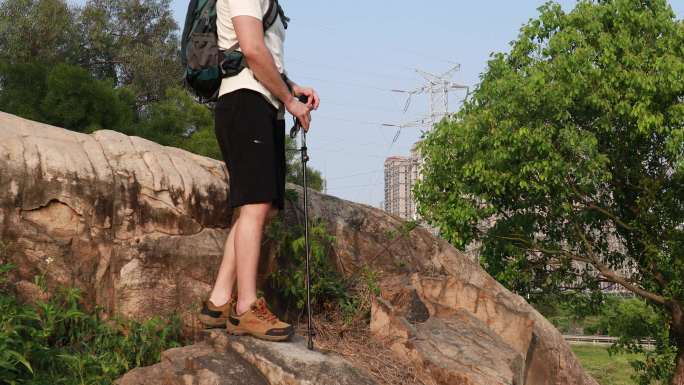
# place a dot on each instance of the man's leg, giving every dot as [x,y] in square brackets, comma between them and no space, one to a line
[225,280]
[248,236]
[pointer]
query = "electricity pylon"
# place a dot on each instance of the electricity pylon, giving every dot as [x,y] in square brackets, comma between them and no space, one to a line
[438,88]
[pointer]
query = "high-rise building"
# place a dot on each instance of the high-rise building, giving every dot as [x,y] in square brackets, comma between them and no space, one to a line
[401,172]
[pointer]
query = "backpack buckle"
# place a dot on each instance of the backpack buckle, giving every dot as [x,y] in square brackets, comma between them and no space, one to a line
[233,63]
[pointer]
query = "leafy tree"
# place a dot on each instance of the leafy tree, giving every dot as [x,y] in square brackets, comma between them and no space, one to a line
[573,143]
[22,88]
[202,142]
[37,31]
[175,119]
[64,95]
[133,41]
[77,101]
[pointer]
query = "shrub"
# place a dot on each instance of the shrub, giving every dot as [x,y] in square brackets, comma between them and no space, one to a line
[289,278]
[56,342]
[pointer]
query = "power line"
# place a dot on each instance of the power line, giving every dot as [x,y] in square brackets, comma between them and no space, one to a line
[363,122]
[368,123]
[346,151]
[438,88]
[347,84]
[349,70]
[336,139]
[398,48]
[374,108]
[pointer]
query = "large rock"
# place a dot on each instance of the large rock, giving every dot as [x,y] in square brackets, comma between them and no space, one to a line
[222,360]
[457,350]
[198,364]
[137,226]
[140,229]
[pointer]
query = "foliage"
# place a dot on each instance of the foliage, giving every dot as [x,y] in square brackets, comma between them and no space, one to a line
[202,142]
[329,289]
[75,100]
[290,276]
[362,287]
[632,320]
[56,342]
[314,178]
[174,118]
[63,95]
[571,315]
[135,42]
[22,88]
[573,145]
[37,29]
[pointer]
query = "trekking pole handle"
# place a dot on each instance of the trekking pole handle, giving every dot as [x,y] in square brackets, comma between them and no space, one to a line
[297,124]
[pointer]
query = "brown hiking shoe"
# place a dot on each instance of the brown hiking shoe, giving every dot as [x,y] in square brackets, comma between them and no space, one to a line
[259,322]
[213,316]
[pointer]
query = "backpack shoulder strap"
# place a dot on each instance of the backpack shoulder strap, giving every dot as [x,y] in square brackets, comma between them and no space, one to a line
[271,14]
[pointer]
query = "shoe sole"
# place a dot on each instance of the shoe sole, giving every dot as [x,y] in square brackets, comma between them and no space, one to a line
[236,331]
[211,322]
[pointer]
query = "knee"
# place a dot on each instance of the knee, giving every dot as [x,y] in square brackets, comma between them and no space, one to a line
[255,212]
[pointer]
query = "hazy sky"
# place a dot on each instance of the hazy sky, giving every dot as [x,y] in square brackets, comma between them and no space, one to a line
[355,52]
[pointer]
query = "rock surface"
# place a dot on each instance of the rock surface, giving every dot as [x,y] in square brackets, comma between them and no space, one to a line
[457,350]
[140,228]
[223,360]
[198,364]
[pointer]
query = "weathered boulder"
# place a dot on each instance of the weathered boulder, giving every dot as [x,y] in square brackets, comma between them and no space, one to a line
[198,364]
[457,350]
[418,265]
[140,229]
[222,360]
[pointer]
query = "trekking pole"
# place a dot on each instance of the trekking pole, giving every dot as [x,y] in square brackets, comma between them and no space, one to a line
[305,158]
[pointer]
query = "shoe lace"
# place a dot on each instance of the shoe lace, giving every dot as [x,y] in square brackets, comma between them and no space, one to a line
[262,312]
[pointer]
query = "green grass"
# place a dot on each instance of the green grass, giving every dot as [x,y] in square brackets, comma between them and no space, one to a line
[606,369]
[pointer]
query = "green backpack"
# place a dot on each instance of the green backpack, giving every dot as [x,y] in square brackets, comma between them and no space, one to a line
[205,64]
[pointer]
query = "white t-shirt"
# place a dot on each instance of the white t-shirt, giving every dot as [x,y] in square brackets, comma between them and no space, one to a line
[274,39]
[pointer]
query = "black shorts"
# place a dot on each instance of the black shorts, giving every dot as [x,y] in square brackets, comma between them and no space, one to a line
[252,142]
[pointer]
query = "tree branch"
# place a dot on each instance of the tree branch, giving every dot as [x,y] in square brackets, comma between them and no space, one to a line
[593,260]
[613,276]
[618,221]
[532,246]
[591,205]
